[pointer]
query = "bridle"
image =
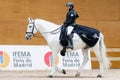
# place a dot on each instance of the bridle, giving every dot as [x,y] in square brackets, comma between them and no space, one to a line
[32,28]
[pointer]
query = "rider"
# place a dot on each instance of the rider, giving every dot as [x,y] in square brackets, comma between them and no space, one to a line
[70,22]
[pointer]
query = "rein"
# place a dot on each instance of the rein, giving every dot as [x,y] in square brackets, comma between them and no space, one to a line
[51,32]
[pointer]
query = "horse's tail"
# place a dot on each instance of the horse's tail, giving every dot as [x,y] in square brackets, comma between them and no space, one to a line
[105,60]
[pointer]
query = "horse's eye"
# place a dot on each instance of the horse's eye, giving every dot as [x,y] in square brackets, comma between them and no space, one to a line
[30,26]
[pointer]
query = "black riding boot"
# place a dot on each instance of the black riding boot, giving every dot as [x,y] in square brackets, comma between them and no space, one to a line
[70,42]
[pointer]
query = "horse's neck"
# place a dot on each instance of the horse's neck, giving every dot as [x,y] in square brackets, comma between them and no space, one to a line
[44,27]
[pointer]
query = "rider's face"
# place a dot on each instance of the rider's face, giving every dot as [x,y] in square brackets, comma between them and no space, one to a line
[67,8]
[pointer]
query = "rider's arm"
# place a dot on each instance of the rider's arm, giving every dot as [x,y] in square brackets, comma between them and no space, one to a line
[70,20]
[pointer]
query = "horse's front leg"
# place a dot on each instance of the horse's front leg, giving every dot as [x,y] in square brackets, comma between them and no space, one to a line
[54,67]
[53,64]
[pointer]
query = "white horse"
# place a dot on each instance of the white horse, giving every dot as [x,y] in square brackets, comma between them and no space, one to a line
[46,28]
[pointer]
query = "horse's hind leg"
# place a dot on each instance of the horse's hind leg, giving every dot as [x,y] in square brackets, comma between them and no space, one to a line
[96,49]
[86,58]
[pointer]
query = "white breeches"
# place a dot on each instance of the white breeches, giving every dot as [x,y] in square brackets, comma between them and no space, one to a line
[69,29]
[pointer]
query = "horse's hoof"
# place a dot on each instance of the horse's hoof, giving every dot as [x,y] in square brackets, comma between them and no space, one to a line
[63,71]
[50,76]
[99,76]
[77,75]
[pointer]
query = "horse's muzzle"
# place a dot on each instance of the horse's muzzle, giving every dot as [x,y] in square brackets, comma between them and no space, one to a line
[28,37]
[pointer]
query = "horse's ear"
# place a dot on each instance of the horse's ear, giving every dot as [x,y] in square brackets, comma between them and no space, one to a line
[30,19]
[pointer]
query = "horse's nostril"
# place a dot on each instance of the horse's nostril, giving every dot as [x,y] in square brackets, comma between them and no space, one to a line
[26,38]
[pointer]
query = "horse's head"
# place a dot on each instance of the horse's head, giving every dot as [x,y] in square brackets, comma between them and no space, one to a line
[31,29]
